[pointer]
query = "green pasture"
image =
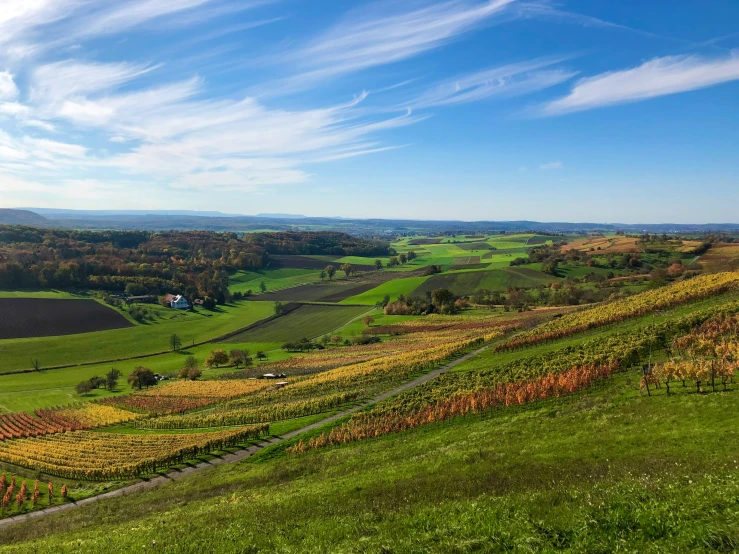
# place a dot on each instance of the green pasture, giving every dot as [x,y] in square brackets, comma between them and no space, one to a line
[55,294]
[274,279]
[464,283]
[141,339]
[392,288]
[309,321]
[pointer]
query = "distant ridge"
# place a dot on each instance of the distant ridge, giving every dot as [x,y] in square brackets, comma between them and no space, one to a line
[283,216]
[64,213]
[22,217]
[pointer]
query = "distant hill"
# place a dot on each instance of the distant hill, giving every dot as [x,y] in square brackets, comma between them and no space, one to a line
[22,217]
[282,216]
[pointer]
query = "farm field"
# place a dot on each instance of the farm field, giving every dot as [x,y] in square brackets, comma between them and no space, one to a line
[721,257]
[47,317]
[308,321]
[392,288]
[274,279]
[426,440]
[141,339]
[464,283]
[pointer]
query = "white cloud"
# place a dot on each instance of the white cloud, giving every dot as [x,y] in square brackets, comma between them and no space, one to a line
[381,35]
[508,80]
[552,165]
[657,77]
[8,90]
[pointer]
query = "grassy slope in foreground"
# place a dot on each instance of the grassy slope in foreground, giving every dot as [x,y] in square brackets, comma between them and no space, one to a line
[580,473]
[122,343]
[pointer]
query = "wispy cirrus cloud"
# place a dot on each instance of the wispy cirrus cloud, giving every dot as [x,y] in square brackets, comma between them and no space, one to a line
[381,34]
[657,77]
[505,81]
[552,165]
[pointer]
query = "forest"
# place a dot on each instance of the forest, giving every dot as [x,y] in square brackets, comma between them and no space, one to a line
[195,263]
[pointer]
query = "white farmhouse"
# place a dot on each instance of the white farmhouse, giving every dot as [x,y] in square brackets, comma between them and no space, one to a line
[179,302]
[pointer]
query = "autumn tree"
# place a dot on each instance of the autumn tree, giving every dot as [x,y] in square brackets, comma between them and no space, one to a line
[141,377]
[347,268]
[368,321]
[216,358]
[330,271]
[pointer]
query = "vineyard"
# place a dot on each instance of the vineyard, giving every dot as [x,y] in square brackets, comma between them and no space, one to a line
[93,456]
[61,441]
[225,417]
[59,420]
[640,304]
[709,352]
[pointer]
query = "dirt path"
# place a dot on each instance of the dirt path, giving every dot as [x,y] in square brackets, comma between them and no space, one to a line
[239,455]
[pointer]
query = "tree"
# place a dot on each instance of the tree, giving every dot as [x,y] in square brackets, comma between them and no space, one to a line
[111,379]
[96,382]
[378,264]
[322,275]
[83,388]
[262,286]
[261,355]
[393,262]
[191,362]
[337,340]
[175,343]
[330,271]
[216,358]
[402,258]
[411,256]
[347,268]
[368,321]
[442,297]
[141,377]
[238,357]
[279,308]
[192,374]
[209,303]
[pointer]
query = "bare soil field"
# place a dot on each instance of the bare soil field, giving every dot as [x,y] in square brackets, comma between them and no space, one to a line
[466,260]
[473,245]
[47,317]
[424,241]
[611,245]
[469,266]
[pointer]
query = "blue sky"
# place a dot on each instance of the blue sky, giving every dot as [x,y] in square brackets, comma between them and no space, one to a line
[439,109]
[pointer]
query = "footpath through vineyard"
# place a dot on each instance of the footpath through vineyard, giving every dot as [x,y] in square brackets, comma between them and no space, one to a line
[241,454]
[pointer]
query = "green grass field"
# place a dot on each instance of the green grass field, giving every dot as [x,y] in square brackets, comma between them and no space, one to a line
[125,343]
[464,283]
[309,321]
[274,279]
[392,288]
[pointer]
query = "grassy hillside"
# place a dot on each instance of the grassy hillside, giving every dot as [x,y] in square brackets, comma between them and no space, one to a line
[582,472]
[578,474]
